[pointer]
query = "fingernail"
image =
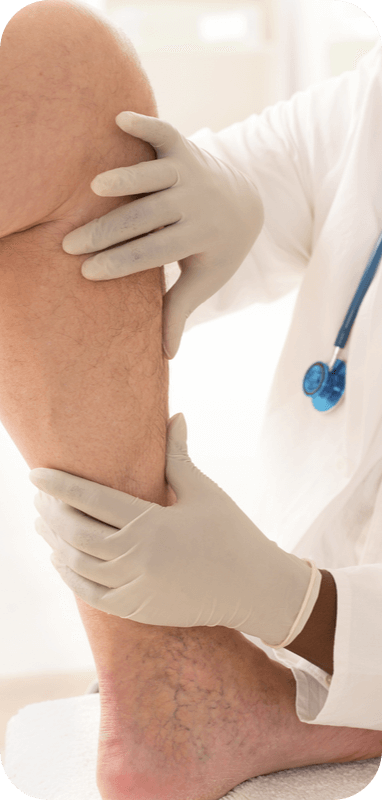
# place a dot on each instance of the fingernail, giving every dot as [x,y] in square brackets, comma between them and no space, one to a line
[124,116]
[39,478]
[179,429]
[70,245]
[99,186]
[90,269]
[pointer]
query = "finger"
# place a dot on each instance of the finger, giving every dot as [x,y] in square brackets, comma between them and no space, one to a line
[124,223]
[126,566]
[91,593]
[89,567]
[160,134]
[181,300]
[143,178]
[153,250]
[187,481]
[101,502]
[65,525]
[61,524]
[46,533]
[81,563]
[177,434]
[178,304]
[173,322]
[108,573]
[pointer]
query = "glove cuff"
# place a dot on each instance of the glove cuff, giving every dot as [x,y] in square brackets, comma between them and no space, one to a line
[305,612]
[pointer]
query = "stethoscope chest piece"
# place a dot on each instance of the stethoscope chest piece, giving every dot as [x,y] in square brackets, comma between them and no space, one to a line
[324,387]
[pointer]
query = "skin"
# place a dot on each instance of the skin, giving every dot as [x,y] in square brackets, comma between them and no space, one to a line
[84,389]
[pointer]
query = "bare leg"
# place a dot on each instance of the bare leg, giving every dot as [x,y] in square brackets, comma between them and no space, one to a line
[184,712]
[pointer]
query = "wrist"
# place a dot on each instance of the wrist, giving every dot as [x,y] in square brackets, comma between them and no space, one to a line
[315,643]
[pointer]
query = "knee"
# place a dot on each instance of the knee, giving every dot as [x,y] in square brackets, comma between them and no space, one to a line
[65,73]
[62,44]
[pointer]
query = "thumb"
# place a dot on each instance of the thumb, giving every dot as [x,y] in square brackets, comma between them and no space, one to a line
[177,435]
[179,467]
[180,301]
[160,134]
[174,320]
[195,285]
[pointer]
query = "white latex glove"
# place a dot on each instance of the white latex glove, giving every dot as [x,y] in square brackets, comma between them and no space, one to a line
[200,562]
[212,212]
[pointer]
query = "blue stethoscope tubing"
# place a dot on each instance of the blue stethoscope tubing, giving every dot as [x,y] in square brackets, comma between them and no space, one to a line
[324,384]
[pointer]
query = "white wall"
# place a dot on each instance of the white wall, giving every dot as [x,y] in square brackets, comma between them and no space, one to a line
[222,374]
[310,33]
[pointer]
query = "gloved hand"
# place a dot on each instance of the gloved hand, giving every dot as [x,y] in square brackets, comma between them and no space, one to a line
[213,215]
[200,562]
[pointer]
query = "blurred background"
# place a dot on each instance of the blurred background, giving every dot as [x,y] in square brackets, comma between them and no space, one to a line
[210,63]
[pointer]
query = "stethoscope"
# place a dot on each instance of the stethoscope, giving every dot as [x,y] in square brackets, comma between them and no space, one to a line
[326,384]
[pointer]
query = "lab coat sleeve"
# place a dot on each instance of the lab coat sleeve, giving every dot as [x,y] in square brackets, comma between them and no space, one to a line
[350,548]
[352,697]
[288,151]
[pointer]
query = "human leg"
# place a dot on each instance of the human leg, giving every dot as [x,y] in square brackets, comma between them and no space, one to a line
[84,389]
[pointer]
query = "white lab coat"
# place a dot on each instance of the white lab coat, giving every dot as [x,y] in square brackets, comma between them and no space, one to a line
[317,162]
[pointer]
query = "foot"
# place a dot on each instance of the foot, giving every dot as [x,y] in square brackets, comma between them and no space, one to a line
[197,711]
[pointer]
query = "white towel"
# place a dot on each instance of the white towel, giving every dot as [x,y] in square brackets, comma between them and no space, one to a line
[51,752]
